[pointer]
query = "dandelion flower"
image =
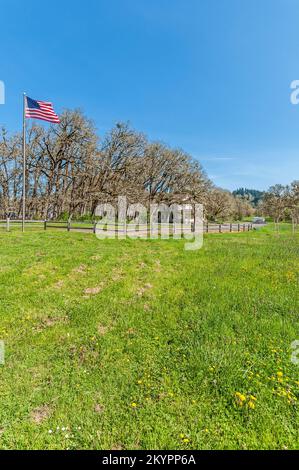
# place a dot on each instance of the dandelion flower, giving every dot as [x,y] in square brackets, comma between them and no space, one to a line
[240,398]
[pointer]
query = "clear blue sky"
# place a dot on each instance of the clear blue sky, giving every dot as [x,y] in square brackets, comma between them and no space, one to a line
[210,76]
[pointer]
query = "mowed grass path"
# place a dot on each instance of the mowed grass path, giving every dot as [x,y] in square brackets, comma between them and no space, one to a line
[141,344]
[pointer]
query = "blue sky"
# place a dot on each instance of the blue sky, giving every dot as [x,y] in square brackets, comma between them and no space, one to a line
[210,76]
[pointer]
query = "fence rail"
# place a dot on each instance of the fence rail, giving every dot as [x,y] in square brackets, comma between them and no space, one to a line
[161,228]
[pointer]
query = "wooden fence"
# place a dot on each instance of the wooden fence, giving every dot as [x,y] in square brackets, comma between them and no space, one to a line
[143,229]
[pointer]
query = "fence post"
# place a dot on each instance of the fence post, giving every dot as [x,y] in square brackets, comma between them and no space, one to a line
[243,227]
[68,225]
[7,224]
[45,225]
[207,227]
[94,227]
[220,228]
[238,227]
[230,227]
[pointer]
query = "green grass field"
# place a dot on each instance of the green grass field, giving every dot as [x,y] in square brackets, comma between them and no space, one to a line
[141,344]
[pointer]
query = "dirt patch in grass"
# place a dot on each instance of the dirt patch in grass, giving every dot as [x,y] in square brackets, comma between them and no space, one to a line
[40,414]
[102,329]
[143,265]
[59,284]
[96,258]
[84,355]
[80,269]
[48,322]
[141,291]
[117,274]
[158,266]
[131,332]
[93,290]
[117,447]
[99,408]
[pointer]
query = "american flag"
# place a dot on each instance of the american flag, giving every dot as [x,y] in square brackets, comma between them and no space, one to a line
[40,110]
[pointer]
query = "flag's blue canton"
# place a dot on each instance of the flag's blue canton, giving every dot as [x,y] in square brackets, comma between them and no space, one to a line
[32,104]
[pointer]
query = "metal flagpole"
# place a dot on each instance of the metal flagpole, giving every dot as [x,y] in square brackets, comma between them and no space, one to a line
[24,164]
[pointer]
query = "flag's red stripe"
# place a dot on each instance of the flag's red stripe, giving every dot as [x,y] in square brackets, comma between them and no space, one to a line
[44,111]
[43,117]
[47,110]
[56,121]
[47,106]
[39,114]
[38,111]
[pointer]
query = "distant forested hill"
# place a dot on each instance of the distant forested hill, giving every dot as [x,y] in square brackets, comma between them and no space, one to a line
[254,194]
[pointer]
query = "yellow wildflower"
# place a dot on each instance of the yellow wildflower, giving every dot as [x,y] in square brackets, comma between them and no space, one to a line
[240,398]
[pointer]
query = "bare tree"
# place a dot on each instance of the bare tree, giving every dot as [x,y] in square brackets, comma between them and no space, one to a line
[70,171]
[275,202]
[219,205]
